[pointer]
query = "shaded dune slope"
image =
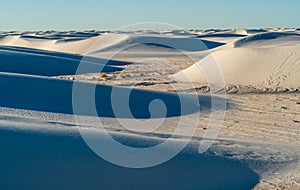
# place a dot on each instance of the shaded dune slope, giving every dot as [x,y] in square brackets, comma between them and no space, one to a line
[46,63]
[55,95]
[179,43]
[64,161]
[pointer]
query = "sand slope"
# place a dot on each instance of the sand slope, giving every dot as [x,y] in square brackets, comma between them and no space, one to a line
[46,63]
[268,59]
[75,42]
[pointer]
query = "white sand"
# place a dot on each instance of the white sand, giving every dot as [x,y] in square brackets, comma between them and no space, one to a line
[269,59]
[260,134]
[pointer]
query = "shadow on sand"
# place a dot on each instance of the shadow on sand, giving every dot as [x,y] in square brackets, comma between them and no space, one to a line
[46,63]
[55,95]
[34,160]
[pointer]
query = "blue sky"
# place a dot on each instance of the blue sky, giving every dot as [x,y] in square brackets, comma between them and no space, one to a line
[113,14]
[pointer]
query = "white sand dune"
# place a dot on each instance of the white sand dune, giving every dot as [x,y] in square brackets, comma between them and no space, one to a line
[42,147]
[79,44]
[267,59]
[76,42]
[41,144]
[55,95]
[54,156]
[178,43]
[269,40]
[47,63]
[271,56]
[36,121]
